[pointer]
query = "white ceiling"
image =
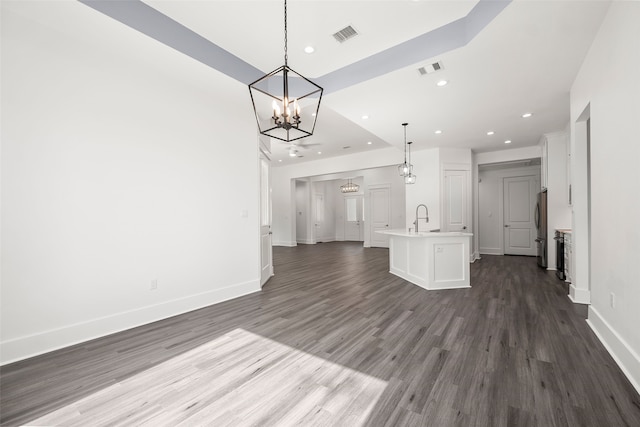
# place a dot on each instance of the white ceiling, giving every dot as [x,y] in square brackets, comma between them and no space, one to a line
[523,60]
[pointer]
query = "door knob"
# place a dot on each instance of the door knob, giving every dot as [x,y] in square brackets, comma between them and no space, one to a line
[505,226]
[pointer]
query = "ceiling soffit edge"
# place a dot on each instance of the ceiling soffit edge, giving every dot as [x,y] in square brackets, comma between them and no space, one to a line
[151,22]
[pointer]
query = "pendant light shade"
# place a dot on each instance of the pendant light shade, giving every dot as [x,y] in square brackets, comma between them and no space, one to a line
[410,178]
[285,103]
[405,168]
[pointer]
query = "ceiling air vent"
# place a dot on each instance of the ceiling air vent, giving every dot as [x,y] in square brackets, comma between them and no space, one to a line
[345,34]
[431,68]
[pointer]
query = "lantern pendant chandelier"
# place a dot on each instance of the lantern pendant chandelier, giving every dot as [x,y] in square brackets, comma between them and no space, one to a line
[349,187]
[405,168]
[285,103]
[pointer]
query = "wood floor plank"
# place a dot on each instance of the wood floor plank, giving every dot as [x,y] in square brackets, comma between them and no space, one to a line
[334,339]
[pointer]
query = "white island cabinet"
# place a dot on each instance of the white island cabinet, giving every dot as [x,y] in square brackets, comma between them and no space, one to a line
[431,260]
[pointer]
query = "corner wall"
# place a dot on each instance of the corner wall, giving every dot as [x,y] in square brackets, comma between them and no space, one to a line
[608,86]
[112,177]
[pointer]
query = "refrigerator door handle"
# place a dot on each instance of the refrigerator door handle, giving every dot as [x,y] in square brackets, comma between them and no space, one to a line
[537,215]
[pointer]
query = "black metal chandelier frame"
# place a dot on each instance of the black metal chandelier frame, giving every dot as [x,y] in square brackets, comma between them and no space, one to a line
[289,119]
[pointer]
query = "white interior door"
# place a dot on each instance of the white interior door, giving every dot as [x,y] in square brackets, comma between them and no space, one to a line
[318,218]
[353,218]
[456,200]
[519,206]
[266,251]
[380,215]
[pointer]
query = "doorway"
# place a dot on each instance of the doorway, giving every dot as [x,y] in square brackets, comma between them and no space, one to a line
[580,288]
[519,202]
[456,200]
[353,218]
[506,200]
[379,214]
[266,250]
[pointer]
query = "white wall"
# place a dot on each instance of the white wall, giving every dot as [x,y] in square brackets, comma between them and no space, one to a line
[112,178]
[491,206]
[426,190]
[302,204]
[558,210]
[608,84]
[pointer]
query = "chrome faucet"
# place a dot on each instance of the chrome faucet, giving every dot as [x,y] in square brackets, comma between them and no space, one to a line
[426,211]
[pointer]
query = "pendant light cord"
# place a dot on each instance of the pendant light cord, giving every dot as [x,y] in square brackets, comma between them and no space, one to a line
[404,125]
[286,57]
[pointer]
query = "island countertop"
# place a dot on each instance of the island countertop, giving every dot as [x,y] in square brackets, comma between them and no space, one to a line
[404,233]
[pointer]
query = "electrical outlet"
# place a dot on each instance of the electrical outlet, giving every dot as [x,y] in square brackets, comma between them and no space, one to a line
[154,285]
[612,300]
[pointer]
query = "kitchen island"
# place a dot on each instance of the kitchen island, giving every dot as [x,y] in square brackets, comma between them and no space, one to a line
[431,260]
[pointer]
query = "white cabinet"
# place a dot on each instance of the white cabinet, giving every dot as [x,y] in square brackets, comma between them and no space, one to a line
[431,260]
[568,257]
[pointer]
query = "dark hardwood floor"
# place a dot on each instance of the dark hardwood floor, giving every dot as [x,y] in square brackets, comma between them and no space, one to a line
[334,339]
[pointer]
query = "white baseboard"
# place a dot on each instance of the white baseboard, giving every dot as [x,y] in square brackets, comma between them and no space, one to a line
[32,345]
[325,239]
[491,251]
[475,256]
[579,296]
[304,242]
[283,243]
[627,359]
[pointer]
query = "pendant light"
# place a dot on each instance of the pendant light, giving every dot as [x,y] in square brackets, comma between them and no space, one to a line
[410,178]
[405,168]
[285,103]
[349,187]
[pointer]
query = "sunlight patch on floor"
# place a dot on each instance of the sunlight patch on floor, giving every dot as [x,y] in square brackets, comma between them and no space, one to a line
[239,378]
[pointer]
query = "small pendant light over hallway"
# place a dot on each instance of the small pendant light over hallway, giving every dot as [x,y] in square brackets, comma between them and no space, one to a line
[410,178]
[405,168]
[350,187]
[286,103]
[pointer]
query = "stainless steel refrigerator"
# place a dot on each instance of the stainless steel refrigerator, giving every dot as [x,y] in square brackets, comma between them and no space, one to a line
[541,227]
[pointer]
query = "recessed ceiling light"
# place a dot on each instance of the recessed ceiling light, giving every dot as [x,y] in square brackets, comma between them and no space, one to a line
[490,133]
[313,114]
[309,49]
[442,83]
[369,142]
[280,160]
[508,141]
[527,115]
[319,152]
[365,117]
[438,132]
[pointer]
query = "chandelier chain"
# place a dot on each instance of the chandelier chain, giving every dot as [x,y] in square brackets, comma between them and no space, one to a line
[405,141]
[286,57]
